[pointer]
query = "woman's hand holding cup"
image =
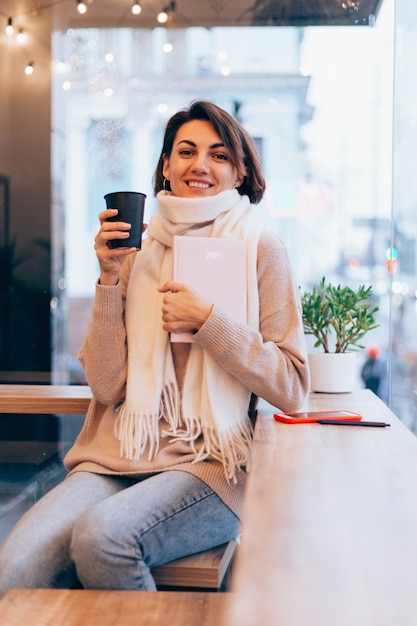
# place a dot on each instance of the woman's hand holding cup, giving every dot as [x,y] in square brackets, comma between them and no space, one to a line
[111,259]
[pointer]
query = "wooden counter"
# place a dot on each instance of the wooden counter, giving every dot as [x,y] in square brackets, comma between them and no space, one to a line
[330,523]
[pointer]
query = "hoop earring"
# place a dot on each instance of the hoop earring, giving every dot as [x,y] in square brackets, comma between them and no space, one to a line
[166,185]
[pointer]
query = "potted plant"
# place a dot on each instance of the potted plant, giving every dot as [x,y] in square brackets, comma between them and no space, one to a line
[338,318]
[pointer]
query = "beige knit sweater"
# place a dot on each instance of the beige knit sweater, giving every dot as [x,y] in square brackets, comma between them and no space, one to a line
[272,363]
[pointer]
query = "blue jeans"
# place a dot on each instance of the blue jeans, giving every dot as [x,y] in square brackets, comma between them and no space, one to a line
[109,531]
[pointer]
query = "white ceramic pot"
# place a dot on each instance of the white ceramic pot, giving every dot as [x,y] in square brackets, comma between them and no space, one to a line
[333,373]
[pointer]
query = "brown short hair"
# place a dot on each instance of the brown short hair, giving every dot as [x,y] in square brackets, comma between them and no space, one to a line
[244,154]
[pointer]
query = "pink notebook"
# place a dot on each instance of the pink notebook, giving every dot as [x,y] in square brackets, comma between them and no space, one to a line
[216,268]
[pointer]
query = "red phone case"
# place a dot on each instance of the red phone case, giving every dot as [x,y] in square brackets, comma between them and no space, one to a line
[309,417]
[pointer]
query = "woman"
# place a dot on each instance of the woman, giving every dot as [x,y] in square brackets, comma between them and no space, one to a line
[159,469]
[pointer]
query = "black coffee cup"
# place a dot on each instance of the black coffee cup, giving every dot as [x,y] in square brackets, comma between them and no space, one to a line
[131,207]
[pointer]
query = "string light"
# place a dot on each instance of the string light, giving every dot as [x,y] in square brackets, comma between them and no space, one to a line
[163,15]
[21,37]
[29,68]
[9,27]
[81,7]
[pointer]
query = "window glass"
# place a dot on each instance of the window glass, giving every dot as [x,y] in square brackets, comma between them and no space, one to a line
[318,102]
[404,224]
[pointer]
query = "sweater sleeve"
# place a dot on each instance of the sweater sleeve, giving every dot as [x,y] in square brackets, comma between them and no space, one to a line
[272,361]
[103,354]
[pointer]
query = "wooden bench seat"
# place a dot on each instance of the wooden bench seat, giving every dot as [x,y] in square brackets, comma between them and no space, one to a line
[74,607]
[206,570]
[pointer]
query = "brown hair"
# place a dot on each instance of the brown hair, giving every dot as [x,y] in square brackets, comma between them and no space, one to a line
[237,140]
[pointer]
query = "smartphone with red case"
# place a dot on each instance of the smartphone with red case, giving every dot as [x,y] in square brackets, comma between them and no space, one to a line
[308,417]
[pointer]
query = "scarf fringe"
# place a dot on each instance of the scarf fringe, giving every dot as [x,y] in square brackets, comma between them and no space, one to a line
[232,449]
[137,431]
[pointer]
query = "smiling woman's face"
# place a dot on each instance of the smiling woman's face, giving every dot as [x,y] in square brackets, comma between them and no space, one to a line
[200,164]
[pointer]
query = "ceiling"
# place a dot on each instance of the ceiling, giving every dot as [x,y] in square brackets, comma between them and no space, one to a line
[62,14]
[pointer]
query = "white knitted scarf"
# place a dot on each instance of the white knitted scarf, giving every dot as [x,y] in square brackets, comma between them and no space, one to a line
[213,409]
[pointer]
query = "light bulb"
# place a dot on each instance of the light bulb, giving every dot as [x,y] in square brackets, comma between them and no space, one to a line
[81,7]
[9,27]
[162,17]
[136,8]
[29,69]
[21,37]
